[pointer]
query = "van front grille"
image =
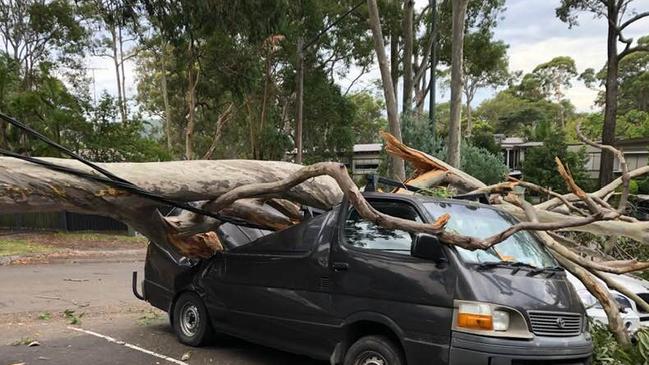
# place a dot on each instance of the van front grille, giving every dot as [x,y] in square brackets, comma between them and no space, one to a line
[555,324]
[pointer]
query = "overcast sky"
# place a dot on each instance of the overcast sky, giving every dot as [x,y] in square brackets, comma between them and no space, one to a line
[531,29]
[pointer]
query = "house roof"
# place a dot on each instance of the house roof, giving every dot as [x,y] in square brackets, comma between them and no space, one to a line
[368,147]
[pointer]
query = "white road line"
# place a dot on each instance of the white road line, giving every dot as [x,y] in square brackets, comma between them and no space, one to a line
[110,339]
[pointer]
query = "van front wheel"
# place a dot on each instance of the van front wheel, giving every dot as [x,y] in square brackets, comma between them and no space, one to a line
[373,350]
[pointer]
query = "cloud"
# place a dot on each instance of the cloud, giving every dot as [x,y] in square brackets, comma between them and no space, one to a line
[536,35]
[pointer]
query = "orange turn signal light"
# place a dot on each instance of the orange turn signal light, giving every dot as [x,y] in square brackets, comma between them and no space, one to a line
[475,321]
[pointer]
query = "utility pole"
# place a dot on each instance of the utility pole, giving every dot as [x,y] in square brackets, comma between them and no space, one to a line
[433,66]
[300,99]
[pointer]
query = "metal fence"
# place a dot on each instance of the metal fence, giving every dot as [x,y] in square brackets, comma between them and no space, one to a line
[60,221]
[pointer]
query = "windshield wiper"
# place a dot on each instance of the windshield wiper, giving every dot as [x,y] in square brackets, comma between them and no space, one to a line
[551,270]
[517,266]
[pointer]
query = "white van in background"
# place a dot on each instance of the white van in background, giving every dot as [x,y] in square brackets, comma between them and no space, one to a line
[640,287]
[594,310]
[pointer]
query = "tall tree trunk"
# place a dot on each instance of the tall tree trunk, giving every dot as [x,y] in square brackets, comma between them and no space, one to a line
[118,77]
[469,122]
[397,169]
[165,95]
[469,93]
[394,60]
[610,112]
[299,101]
[265,97]
[121,64]
[455,125]
[408,14]
[193,74]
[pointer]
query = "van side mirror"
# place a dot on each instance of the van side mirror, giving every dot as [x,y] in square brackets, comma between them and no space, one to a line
[427,246]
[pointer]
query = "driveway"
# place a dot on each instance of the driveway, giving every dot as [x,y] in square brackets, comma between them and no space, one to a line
[86,314]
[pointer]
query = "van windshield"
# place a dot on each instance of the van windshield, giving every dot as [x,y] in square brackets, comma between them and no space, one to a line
[480,222]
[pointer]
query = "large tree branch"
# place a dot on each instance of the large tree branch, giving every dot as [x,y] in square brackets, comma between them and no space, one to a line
[339,173]
[603,296]
[571,262]
[630,50]
[632,20]
[224,118]
[601,193]
[620,156]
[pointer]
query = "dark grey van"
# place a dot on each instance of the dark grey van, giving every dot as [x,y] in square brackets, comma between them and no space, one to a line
[339,288]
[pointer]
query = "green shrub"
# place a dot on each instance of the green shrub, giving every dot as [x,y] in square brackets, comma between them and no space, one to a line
[540,167]
[482,164]
[633,187]
[643,186]
[474,160]
[606,351]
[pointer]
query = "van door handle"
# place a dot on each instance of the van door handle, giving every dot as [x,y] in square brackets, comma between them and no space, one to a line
[340,266]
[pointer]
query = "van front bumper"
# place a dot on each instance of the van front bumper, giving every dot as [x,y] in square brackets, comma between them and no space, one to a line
[468,349]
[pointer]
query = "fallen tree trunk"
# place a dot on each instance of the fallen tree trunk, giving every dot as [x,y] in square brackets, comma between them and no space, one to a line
[246,189]
[27,187]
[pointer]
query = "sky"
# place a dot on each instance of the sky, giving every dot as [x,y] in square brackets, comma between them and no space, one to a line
[530,27]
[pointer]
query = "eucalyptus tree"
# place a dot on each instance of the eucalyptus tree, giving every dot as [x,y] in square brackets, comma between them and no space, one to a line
[114,25]
[553,77]
[485,65]
[619,15]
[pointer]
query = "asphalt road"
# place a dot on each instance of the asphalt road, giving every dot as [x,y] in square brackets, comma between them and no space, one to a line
[119,329]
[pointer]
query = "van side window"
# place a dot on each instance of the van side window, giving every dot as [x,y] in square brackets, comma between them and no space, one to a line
[364,234]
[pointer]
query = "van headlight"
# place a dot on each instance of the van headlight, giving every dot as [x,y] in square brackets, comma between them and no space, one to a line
[489,320]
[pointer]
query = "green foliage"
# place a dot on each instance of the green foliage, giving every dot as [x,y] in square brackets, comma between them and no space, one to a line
[539,165]
[72,317]
[367,117]
[643,186]
[633,187]
[327,113]
[482,164]
[438,192]
[633,124]
[514,113]
[474,160]
[483,137]
[606,351]
[481,16]
[555,74]
[634,80]
[417,133]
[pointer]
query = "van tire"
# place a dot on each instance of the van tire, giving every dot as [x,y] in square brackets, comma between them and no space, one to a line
[373,350]
[190,320]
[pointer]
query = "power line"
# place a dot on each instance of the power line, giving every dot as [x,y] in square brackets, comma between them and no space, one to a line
[331,25]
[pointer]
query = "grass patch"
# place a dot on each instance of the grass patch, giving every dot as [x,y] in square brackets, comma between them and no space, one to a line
[94,236]
[149,318]
[72,317]
[11,247]
[24,341]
